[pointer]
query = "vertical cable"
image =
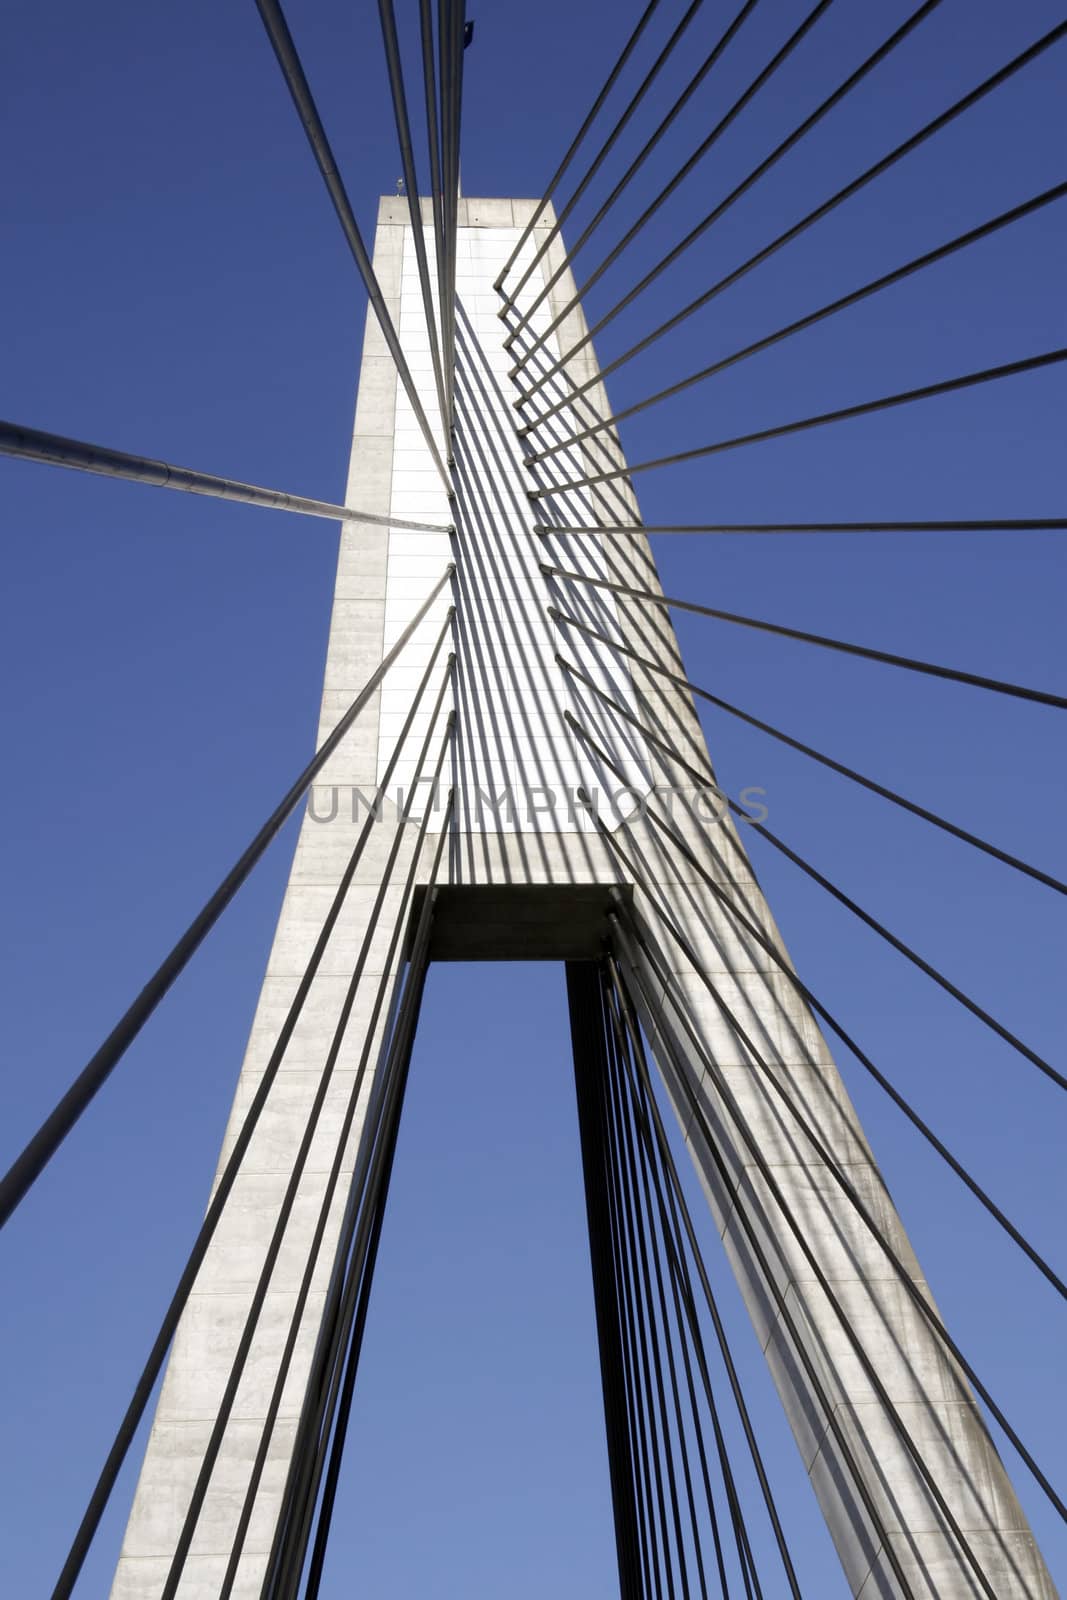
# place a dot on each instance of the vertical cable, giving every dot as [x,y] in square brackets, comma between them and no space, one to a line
[292,71]
[583,998]
[411,184]
[450,26]
[666,1047]
[679,1213]
[624,1054]
[433,136]
[622,1109]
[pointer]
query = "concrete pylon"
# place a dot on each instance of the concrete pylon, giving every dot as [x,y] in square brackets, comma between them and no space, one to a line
[531,873]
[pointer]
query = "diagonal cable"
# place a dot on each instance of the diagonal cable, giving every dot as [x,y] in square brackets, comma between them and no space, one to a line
[354,1263]
[842,303]
[865,408]
[628,1113]
[929,129]
[33,444]
[870,921]
[826,1156]
[36,1155]
[223,1188]
[910,664]
[695,159]
[277,1239]
[385,986]
[398,1066]
[391,44]
[449,67]
[706,781]
[587,1048]
[834,766]
[757,1155]
[433,137]
[285,51]
[678,1214]
[511,295]
[663,1045]
[638,161]
[572,150]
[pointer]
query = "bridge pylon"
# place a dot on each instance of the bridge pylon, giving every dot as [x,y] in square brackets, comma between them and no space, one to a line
[531,781]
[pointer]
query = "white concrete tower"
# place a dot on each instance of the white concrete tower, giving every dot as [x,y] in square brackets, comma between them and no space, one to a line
[528,871]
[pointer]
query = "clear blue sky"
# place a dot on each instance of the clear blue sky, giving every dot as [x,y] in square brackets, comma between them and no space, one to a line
[175,284]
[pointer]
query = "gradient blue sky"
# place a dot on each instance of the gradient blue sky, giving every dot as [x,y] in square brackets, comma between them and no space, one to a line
[176,284]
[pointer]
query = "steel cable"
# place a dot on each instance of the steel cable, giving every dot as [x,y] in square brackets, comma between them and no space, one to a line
[53,449]
[910,664]
[589,1065]
[679,177]
[678,1213]
[663,1045]
[900,1269]
[865,408]
[639,1159]
[321,1388]
[386,985]
[378,1201]
[982,525]
[994,81]
[638,161]
[594,167]
[296,82]
[587,122]
[904,1434]
[391,43]
[36,1155]
[843,302]
[277,1239]
[705,780]
[859,778]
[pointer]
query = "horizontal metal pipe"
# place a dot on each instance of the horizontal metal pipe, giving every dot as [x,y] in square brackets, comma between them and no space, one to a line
[982,525]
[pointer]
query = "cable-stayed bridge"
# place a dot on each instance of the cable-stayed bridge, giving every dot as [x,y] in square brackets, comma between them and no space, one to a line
[510,765]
